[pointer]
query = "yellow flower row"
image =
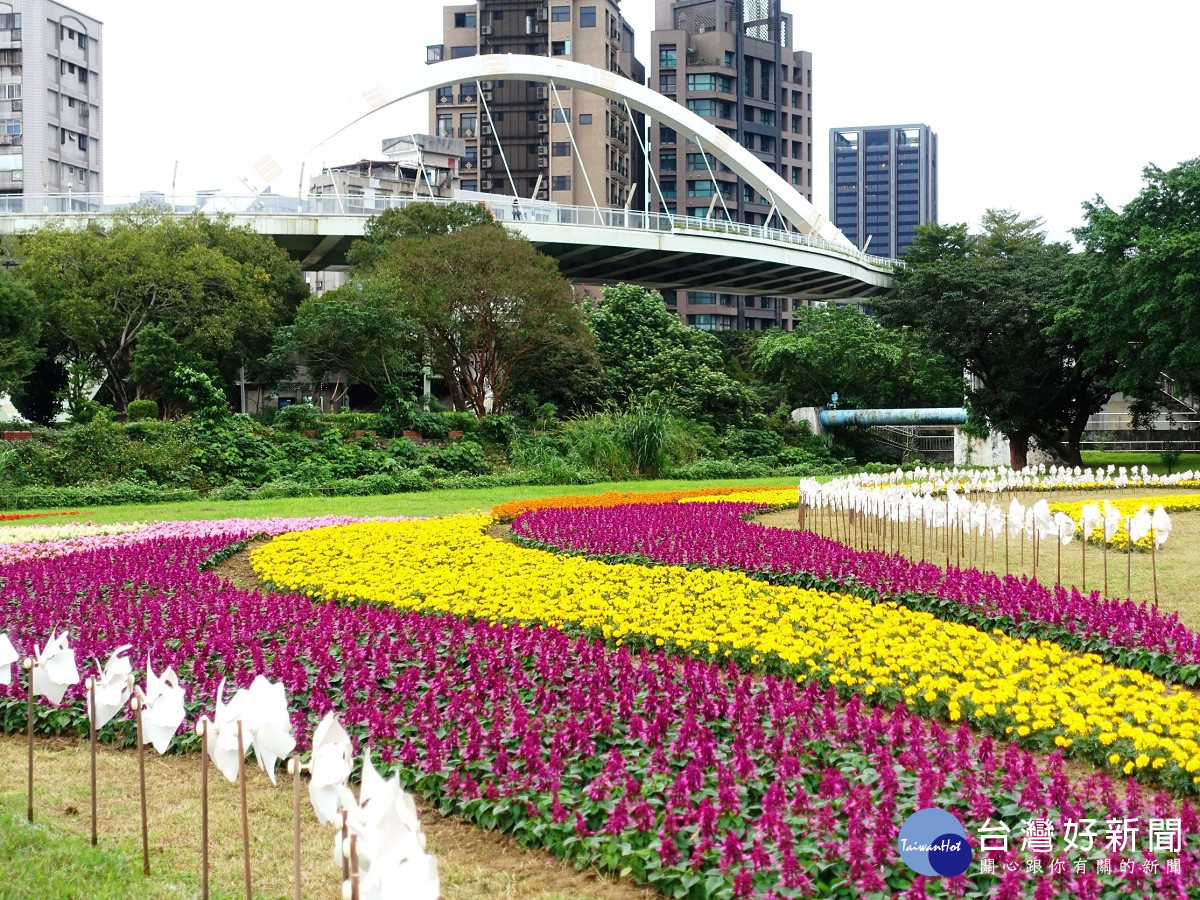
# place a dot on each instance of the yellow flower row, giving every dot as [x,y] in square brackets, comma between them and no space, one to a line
[1030,689]
[1128,506]
[767,497]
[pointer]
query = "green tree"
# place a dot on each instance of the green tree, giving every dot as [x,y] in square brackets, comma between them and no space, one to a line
[416,221]
[485,304]
[1000,305]
[838,348]
[1143,290]
[218,291]
[357,330]
[20,331]
[644,349]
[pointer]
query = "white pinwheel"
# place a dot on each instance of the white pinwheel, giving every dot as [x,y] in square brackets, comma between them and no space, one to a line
[54,669]
[8,656]
[162,707]
[1112,522]
[223,736]
[1161,523]
[330,766]
[1043,520]
[1139,525]
[1016,518]
[390,847]
[1065,526]
[270,725]
[111,688]
[1090,519]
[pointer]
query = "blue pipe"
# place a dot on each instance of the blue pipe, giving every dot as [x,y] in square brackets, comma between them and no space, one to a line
[837,418]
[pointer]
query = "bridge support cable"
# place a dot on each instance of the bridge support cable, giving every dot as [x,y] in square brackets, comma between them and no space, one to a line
[713,176]
[645,145]
[487,111]
[325,170]
[575,150]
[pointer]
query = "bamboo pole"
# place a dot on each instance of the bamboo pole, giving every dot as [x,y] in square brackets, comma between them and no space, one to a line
[91,689]
[1154,565]
[294,766]
[141,749]
[27,665]
[1129,559]
[241,745]
[202,729]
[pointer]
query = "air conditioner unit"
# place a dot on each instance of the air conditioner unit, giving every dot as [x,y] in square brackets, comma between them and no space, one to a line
[543,129]
[486,164]
[543,93]
[543,163]
[485,85]
[543,149]
[543,117]
[486,184]
[485,30]
[487,96]
[543,14]
[487,151]
[5,140]
[485,129]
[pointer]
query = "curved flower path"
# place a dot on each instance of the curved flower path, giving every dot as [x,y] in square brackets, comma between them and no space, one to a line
[698,778]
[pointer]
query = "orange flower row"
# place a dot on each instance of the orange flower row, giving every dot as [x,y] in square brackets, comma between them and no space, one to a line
[506,512]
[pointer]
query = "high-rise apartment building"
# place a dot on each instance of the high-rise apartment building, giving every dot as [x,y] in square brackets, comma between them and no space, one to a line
[50,100]
[730,62]
[516,131]
[882,185]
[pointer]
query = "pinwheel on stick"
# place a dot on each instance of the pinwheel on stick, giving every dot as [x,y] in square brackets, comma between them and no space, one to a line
[1089,520]
[1138,527]
[51,671]
[1112,524]
[158,711]
[1160,530]
[106,696]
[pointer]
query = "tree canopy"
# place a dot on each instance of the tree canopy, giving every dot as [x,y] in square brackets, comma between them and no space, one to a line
[1143,291]
[216,291]
[20,332]
[999,304]
[839,349]
[644,349]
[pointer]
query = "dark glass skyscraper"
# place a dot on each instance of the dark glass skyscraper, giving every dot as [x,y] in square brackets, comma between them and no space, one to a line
[882,185]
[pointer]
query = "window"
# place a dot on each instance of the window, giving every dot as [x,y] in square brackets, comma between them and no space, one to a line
[560,14]
[560,115]
[729,59]
[445,95]
[667,56]
[9,21]
[560,148]
[703,107]
[702,82]
[81,39]
[668,188]
[666,83]
[585,118]
[703,188]
[445,125]
[83,75]
[464,20]
[560,48]
[702,298]
[666,135]
[587,17]
[469,124]
[461,52]
[667,162]
[470,185]
[700,162]
[83,142]
[560,183]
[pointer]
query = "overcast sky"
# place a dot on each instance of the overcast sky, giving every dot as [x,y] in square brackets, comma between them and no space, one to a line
[1038,105]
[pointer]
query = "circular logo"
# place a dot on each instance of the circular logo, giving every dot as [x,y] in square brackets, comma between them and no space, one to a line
[933,842]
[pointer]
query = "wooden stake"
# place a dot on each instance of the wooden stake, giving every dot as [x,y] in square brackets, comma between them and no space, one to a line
[1154,565]
[1128,559]
[27,665]
[91,689]
[1083,555]
[245,812]
[141,749]
[354,867]
[345,855]
[202,728]
[1105,546]
[1058,573]
[294,767]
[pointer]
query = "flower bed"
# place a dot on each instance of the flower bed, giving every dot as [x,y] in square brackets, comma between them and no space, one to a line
[717,535]
[1129,507]
[690,776]
[1034,690]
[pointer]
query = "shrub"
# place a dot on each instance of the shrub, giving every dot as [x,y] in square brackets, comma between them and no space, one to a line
[750,442]
[705,469]
[462,457]
[298,417]
[402,451]
[235,490]
[139,410]
[496,431]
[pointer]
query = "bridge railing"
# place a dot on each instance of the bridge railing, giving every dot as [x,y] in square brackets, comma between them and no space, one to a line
[501,207]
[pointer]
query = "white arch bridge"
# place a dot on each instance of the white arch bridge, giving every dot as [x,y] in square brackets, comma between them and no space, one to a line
[808,259]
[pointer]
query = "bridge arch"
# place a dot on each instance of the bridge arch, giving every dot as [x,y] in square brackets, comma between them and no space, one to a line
[788,201]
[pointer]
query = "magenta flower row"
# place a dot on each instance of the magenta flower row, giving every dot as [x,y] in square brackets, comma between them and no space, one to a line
[716,534]
[683,771]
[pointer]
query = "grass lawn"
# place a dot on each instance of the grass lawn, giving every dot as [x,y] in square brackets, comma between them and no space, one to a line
[1151,461]
[425,503]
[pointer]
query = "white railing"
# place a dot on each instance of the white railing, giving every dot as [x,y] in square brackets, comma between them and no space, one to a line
[1159,422]
[501,206]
